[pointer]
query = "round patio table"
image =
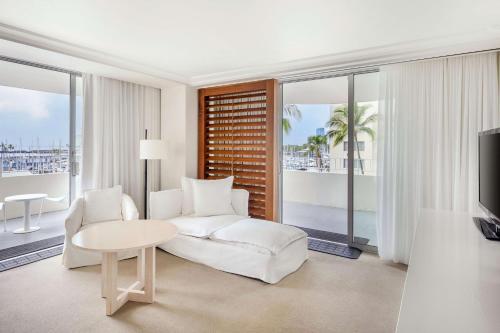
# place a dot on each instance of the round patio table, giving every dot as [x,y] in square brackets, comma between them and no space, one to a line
[26,198]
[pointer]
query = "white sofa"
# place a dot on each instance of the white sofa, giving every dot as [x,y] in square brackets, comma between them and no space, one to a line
[232,243]
[75,257]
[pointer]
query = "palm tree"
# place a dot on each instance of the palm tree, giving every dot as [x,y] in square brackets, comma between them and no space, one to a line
[338,125]
[290,111]
[314,145]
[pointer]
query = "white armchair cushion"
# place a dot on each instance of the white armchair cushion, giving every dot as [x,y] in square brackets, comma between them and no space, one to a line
[102,205]
[212,197]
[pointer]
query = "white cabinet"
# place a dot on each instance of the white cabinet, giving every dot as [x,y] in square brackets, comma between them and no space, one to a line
[453,280]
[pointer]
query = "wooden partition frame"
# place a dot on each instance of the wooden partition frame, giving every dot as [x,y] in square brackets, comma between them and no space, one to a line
[236,137]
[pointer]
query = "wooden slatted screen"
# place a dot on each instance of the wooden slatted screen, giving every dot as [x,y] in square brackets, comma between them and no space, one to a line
[236,138]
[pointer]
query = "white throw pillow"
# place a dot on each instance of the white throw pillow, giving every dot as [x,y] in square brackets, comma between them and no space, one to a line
[212,197]
[102,205]
[165,204]
[187,196]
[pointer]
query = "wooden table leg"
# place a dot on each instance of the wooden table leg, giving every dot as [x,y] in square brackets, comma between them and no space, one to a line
[143,290]
[103,275]
[110,268]
[149,278]
[141,268]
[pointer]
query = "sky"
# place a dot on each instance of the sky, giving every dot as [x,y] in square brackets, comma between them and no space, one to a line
[313,116]
[30,114]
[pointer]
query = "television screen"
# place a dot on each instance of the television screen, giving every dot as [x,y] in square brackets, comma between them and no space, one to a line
[489,172]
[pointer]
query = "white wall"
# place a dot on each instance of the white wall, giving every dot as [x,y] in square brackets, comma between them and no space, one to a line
[329,189]
[53,184]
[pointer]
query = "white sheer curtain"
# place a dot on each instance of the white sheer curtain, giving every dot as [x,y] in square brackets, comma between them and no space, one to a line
[115,116]
[430,116]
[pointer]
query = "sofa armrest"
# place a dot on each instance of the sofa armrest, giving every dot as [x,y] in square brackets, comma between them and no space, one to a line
[239,200]
[74,219]
[165,204]
[129,210]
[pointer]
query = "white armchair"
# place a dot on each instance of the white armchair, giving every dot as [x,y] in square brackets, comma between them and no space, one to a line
[75,257]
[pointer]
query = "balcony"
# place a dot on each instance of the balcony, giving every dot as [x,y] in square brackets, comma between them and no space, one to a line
[318,200]
[53,214]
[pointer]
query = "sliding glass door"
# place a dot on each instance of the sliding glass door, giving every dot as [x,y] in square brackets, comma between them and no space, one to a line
[40,129]
[314,175]
[328,151]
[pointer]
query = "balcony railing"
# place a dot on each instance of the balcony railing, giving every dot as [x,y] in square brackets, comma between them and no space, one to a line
[327,164]
[53,184]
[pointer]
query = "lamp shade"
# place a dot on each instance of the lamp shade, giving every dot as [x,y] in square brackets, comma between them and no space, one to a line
[152,149]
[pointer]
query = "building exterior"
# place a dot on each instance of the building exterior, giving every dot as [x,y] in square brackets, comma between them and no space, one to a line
[367,151]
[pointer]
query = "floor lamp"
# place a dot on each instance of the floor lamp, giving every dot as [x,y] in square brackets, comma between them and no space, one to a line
[150,150]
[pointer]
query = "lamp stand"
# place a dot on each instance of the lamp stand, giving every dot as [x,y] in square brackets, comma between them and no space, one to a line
[146,183]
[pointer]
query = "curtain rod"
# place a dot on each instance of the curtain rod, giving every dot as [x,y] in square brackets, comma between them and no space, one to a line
[367,68]
[38,65]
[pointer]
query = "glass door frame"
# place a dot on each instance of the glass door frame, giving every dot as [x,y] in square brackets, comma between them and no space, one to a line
[72,137]
[350,74]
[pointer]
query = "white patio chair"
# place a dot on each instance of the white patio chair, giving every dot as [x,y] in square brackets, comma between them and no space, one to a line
[51,199]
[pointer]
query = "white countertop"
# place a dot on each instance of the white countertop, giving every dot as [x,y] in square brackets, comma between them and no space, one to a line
[453,280]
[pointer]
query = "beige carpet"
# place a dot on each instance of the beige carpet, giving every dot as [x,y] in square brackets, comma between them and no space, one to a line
[328,294]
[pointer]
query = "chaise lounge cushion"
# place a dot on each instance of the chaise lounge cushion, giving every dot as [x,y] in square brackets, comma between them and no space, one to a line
[265,235]
[203,227]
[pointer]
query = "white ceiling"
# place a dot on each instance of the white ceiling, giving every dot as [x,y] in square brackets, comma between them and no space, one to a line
[190,40]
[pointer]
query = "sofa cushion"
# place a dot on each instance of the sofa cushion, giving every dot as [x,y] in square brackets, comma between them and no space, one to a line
[212,197]
[102,205]
[255,232]
[202,227]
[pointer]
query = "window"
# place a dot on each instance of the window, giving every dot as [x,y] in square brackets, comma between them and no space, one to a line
[36,136]
[34,126]
[361,145]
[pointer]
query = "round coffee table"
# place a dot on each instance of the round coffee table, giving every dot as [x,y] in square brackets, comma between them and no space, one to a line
[26,198]
[112,237]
